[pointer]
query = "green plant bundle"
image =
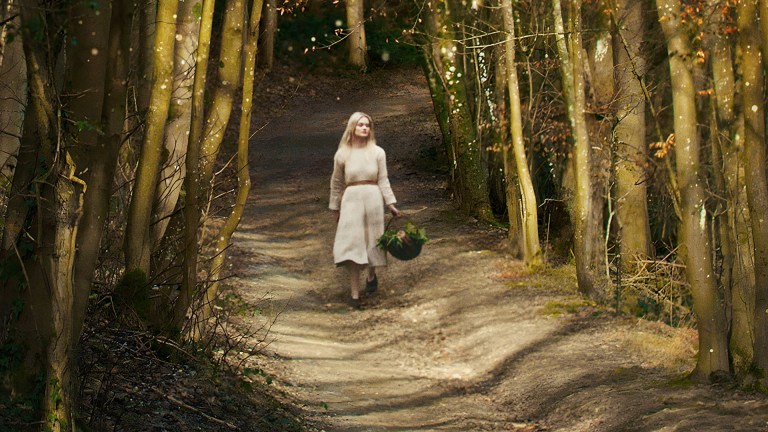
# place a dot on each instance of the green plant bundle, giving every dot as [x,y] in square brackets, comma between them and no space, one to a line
[394,238]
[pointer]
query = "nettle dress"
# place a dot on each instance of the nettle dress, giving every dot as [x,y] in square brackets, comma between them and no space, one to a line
[361,206]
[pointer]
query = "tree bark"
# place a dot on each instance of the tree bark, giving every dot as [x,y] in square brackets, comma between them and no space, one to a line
[358,48]
[243,168]
[137,232]
[180,115]
[102,169]
[572,71]
[629,133]
[192,185]
[528,205]
[693,235]
[266,53]
[755,173]
[217,118]
[737,268]
[13,94]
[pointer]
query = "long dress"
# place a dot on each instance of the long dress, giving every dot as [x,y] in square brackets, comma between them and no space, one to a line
[361,206]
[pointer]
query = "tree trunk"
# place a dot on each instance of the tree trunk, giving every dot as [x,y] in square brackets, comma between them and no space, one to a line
[137,232]
[192,185]
[469,176]
[512,188]
[572,71]
[180,115]
[268,27]
[13,94]
[102,168]
[755,174]
[218,117]
[694,242]
[358,48]
[528,205]
[147,25]
[737,269]
[629,135]
[243,168]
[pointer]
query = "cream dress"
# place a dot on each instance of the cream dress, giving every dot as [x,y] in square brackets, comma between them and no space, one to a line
[361,216]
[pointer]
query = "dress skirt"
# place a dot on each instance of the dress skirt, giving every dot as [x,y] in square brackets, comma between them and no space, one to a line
[361,223]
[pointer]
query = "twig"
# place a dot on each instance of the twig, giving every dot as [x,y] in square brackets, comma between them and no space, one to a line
[195,410]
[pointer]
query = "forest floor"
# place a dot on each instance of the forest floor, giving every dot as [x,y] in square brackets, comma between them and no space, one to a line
[463,338]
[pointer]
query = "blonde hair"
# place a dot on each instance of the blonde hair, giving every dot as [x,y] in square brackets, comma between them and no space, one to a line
[349,132]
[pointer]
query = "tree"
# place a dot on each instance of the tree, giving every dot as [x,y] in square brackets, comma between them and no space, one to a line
[137,238]
[358,48]
[694,246]
[528,206]
[754,170]
[242,165]
[572,75]
[13,94]
[268,27]
[448,82]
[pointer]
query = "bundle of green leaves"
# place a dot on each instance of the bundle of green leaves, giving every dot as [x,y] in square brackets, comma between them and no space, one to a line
[395,238]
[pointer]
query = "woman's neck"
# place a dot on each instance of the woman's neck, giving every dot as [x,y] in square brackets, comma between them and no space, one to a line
[358,142]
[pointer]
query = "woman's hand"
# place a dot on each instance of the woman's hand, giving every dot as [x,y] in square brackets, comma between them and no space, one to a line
[395,212]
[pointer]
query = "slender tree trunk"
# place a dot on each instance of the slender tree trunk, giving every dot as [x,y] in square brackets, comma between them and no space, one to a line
[755,170]
[528,210]
[737,275]
[512,188]
[572,71]
[137,232]
[102,169]
[243,168]
[217,119]
[629,135]
[147,23]
[179,118]
[267,38]
[192,185]
[358,48]
[694,242]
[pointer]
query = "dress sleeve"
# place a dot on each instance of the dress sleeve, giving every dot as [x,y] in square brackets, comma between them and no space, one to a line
[337,183]
[383,180]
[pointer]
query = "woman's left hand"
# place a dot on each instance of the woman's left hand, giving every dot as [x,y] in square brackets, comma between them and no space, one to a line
[395,212]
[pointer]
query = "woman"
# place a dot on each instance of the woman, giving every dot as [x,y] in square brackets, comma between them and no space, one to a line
[359,190]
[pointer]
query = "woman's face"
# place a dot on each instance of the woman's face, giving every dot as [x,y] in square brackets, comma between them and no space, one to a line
[363,128]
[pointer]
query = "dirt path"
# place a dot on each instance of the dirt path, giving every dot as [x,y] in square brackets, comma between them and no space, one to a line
[461,338]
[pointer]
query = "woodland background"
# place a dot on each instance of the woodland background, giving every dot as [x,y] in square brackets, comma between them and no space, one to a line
[626,137]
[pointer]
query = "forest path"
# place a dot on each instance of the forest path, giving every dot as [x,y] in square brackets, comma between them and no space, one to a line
[461,338]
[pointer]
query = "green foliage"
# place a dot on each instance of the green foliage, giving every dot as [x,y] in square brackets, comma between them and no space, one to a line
[396,237]
[197,10]
[255,372]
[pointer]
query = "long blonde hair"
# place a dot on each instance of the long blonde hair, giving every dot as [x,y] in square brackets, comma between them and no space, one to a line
[349,132]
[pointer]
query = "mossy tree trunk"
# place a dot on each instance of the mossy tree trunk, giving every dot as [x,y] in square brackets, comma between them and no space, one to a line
[242,165]
[469,175]
[137,232]
[176,138]
[695,247]
[217,118]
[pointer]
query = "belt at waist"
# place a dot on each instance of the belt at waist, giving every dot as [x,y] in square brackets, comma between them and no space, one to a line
[363,182]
